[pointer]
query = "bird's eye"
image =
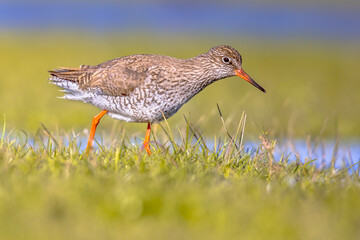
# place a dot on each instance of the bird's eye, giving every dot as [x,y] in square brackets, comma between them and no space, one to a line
[226,60]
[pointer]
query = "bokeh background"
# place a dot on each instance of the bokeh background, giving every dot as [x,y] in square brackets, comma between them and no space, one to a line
[306,55]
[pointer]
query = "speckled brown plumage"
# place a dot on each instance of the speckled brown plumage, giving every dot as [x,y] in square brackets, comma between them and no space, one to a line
[145,88]
[138,88]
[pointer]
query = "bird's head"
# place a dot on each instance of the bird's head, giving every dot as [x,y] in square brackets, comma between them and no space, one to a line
[228,63]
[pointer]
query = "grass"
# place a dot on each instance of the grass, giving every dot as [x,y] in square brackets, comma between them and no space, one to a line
[50,189]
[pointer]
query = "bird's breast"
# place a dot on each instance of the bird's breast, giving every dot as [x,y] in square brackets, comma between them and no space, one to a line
[151,101]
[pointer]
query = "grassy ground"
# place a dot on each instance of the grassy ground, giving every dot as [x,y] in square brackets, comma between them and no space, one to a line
[49,189]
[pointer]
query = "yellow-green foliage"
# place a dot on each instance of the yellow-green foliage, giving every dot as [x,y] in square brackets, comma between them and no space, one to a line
[310,85]
[50,190]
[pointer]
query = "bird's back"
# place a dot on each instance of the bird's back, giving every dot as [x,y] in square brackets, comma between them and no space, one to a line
[116,77]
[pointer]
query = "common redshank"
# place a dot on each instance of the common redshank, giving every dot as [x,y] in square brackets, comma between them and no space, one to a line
[145,88]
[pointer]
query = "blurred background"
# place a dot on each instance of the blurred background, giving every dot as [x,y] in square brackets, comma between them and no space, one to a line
[305,54]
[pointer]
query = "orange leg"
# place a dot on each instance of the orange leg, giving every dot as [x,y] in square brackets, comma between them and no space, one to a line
[94,124]
[147,139]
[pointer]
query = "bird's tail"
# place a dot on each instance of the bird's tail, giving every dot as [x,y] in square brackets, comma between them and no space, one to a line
[69,74]
[68,79]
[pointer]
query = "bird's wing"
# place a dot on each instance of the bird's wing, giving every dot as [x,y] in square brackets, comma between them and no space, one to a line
[117,77]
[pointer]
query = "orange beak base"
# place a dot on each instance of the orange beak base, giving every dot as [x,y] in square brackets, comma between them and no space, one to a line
[241,73]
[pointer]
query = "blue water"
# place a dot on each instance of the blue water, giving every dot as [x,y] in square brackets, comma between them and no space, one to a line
[346,153]
[275,21]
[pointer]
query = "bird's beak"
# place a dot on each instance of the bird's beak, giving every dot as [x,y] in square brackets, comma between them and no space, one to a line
[241,73]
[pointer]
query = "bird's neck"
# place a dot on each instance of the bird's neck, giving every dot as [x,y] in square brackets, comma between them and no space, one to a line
[200,66]
[201,71]
[196,75]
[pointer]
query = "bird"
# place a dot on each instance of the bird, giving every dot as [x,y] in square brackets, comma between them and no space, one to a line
[146,88]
